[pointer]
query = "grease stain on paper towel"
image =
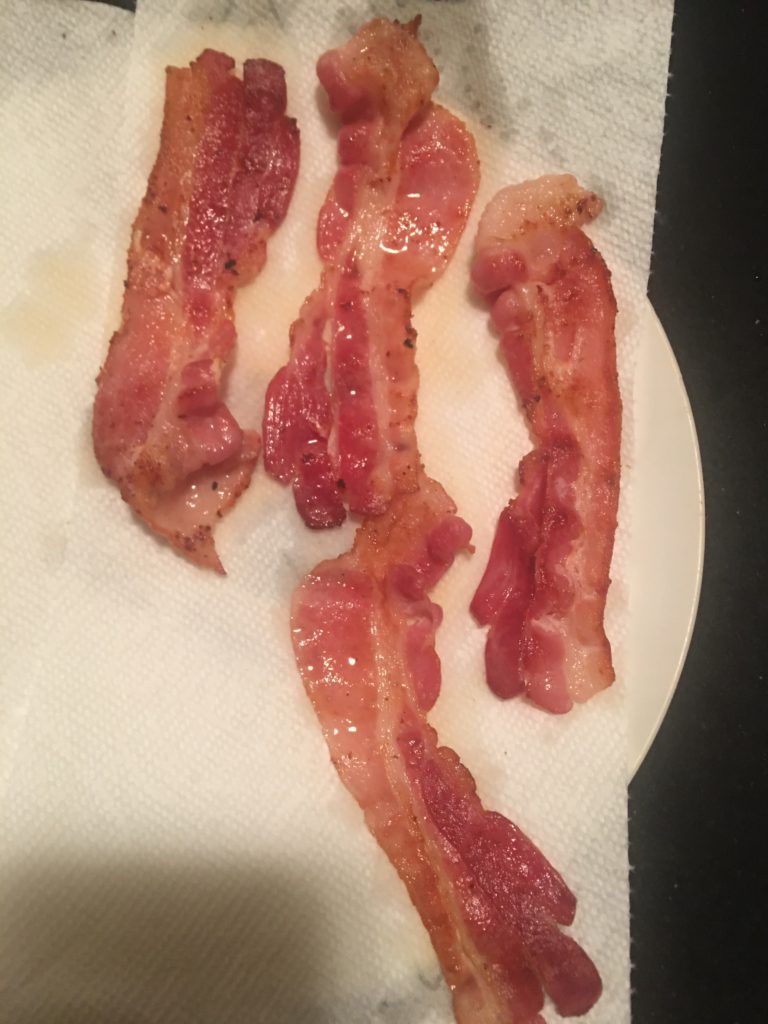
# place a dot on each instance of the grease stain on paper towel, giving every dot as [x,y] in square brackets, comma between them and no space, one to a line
[58,294]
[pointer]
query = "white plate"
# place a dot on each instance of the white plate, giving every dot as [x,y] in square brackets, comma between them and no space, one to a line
[668,529]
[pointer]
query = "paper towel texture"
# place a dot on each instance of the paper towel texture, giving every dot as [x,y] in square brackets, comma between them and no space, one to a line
[60,218]
[175,844]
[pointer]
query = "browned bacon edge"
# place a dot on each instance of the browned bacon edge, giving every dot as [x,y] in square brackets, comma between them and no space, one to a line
[221,184]
[544,589]
[339,417]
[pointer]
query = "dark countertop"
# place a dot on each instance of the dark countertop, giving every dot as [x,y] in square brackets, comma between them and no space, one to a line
[699,891]
[699,894]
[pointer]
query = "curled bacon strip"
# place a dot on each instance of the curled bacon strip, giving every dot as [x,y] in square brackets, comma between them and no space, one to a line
[364,631]
[339,424]
[339,417]
[221,184]
[544,589]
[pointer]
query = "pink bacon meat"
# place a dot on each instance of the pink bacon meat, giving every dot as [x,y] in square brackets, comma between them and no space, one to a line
[544,589]
[364,636]
[221,184]
[339,417]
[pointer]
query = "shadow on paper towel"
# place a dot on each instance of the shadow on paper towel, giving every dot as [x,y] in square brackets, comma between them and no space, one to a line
[159,941]
[121,943]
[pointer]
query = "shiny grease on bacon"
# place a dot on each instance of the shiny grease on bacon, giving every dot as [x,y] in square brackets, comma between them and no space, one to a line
[544,590]
[221,184]
[364,635]
[339,417]
[363,625]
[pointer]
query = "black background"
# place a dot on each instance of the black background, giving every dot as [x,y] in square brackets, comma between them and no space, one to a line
[699,802]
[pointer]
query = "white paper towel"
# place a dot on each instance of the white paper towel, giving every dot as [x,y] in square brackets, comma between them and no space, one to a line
[60,216]
[175,843]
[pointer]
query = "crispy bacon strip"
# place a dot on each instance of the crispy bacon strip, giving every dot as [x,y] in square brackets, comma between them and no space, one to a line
[220,186]
[364,631]
[544,590]
[339,417]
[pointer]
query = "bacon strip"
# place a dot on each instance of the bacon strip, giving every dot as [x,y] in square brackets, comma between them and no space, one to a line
[339,424]
[339,417]
[221,184]
[364,631]
[544,589]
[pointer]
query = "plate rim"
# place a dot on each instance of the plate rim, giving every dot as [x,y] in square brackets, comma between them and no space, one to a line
[636,756]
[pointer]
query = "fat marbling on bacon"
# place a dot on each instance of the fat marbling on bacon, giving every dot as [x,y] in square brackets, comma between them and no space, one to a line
[363,625]
[221,184]
[544,590]
[364,636]
[339,417]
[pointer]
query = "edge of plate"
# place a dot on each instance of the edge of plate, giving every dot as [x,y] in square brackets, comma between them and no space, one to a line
[636,757]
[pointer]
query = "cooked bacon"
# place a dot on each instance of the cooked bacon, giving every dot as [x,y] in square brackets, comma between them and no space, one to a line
[544,590]
[339,417]
[220,186]
[364,630]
